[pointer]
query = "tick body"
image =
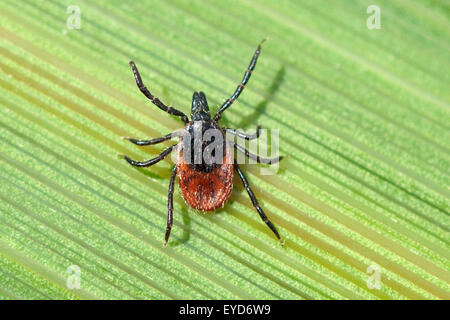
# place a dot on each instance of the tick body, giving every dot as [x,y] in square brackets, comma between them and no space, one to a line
[206,189]
[205,173]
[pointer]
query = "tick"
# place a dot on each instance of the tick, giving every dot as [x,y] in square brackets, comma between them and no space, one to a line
[204,185]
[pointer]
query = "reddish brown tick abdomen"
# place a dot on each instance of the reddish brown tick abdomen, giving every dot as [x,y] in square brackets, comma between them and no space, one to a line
[206,191]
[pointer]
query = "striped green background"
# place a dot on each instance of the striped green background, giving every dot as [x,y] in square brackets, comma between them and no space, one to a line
[363,115]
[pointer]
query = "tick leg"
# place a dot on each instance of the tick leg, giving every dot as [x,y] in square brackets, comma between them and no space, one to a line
[255,202]
[256,157]
[241,86]
[150,162]
[170,205]
[153,99]
[152,141]
[244,135]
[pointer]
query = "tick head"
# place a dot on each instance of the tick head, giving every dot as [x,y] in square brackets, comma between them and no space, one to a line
[200,109]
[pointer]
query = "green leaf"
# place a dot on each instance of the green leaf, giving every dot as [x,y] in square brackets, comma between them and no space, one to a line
[363,116]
